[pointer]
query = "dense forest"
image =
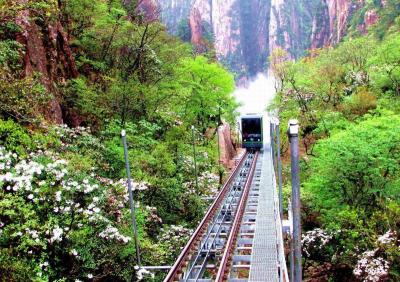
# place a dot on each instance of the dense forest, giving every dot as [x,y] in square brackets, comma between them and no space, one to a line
[347,100]
[74,73]
[63,209]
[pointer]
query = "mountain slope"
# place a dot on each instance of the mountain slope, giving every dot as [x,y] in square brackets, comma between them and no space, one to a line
[245,32]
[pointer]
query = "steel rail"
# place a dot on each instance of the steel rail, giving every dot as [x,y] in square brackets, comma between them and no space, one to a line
[231,191]
[223,271]
[232,196]
[196,236]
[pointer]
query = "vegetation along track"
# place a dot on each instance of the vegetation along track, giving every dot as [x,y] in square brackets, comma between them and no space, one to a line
[208,254]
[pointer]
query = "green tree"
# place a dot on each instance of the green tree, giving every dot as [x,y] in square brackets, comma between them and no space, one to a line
[358,167]
[385,66]
[206,93]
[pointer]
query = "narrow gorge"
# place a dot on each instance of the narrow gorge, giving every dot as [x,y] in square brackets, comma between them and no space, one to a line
[244,32]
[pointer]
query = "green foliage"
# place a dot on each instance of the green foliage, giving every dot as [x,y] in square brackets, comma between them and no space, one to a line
[207,93]
[132,76]
[359,166]
[133,63]
[386,66]
[184,31]
[10,54]
[207,32]
[388,17]
[346,99]
[21,98]
[55,221]
[82,97]
[14,269]
[40,10]
[360,103]
[14,138]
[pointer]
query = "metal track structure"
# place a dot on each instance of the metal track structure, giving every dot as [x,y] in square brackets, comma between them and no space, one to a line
[199,260]
[240,237]
[257,249]
[238,230]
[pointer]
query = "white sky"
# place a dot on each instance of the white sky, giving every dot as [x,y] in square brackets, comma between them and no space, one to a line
[256,96]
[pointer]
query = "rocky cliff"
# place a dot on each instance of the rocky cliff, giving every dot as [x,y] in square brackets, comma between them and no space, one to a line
[47,51]
[244,32]
[227,150]
[173,12]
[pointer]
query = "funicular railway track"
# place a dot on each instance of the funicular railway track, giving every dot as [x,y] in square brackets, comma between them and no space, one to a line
[218,249]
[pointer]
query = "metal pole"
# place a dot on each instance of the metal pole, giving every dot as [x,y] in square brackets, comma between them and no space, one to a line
[219,150]
[271,132]
[290,217]
[239,134]
[275,146]
[131,201]
[293,133]
[278,153]
[194,160]
[219,123]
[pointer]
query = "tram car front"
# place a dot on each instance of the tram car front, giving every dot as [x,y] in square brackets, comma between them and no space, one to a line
[252,131]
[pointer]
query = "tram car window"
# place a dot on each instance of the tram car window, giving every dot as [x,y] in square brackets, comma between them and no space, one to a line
[252,129]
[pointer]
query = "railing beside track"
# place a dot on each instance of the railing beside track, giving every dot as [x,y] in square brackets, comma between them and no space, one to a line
[283,271]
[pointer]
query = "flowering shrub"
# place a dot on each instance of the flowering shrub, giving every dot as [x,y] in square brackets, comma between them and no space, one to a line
[371,268]
[388,238]
[176,236]
[153,221]
[142,273]
[314,243]
[47,212]
[374,265]
[208,184]
[64,211]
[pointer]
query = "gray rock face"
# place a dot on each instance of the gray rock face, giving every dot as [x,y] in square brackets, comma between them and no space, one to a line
[246,31]
[174,11]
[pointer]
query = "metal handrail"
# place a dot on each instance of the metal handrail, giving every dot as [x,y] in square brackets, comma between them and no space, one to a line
[281,250]
[278,221]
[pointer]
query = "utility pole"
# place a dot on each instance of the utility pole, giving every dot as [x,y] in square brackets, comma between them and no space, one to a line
[220,170]
[278,153]
[194,160]
[293,133]
[131,201]
[219,149]
[271,133]
[218,124]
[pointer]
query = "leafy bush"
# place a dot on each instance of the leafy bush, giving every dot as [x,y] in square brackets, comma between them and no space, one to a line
[386,67]
[61,223]
[14,137]
[353,187]
[21,99]
[360,103]
[358,166]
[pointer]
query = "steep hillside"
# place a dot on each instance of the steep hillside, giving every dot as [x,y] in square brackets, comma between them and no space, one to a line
[245,32]
[46,48]
[346,99]
[73,74]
